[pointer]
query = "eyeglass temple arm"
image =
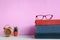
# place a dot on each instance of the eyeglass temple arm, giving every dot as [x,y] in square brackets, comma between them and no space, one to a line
[51,16]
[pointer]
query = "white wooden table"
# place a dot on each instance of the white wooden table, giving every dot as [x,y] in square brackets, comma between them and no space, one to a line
[23,38]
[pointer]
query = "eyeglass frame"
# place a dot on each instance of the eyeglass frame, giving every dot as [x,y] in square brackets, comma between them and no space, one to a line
[45,16]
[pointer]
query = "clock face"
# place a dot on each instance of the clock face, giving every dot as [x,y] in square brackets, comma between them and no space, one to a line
[7,31]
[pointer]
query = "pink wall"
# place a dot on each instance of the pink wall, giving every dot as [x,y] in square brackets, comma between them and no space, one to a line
[22,13]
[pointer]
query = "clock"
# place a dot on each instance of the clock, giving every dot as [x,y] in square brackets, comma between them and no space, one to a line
[7,31]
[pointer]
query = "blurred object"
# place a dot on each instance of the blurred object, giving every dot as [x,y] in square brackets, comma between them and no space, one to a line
[15,31]
[7,31]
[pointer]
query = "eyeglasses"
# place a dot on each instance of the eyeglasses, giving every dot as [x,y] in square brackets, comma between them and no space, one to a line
[44,17]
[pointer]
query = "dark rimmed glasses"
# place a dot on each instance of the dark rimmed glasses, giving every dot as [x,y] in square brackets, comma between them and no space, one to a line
[44,17]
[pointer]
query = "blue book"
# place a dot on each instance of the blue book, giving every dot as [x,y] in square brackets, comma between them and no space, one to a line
[48,29]
[47,35]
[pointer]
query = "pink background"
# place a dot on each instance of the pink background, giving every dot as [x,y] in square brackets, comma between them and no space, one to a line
[22,13]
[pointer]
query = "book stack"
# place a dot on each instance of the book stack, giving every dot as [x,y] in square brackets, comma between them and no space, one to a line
[47,28]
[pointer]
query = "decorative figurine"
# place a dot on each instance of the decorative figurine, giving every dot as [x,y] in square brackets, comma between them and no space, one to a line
[15,31]
[7,31]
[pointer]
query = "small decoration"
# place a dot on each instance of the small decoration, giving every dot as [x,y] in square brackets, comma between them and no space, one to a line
[15,31]
[7,31]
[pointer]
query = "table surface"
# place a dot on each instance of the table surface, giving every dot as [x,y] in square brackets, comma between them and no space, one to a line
[23,38]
